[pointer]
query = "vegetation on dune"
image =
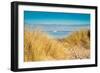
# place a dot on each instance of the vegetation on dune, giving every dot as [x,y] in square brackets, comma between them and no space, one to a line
[79,44]
[81,37]
[39,46]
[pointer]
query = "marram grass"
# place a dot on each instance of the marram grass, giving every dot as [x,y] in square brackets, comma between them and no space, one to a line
[39,46]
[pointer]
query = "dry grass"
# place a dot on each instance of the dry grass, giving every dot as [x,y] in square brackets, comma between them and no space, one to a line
[39,46]
[81,37]
[79,44]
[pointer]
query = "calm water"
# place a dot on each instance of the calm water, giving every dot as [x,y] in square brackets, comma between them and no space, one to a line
[59,34]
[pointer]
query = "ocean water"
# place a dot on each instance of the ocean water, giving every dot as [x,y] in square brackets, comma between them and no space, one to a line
[59,34]
[57,30]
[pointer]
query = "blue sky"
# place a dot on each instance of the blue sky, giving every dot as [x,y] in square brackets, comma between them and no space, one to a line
[35,17]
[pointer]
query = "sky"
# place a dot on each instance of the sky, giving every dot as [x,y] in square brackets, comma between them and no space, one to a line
[49,18]
[57,24]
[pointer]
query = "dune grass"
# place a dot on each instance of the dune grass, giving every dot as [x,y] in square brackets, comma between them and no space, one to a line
[39,46]
[79,44]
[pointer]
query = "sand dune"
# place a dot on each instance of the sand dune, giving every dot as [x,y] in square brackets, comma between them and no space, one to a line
[39,46]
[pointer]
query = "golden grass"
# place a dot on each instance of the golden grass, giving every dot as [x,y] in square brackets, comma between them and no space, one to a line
[79,44]
[39,46]
[81,37]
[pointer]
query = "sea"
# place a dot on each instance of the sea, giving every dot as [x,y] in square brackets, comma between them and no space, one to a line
[58,31]
[59,34]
